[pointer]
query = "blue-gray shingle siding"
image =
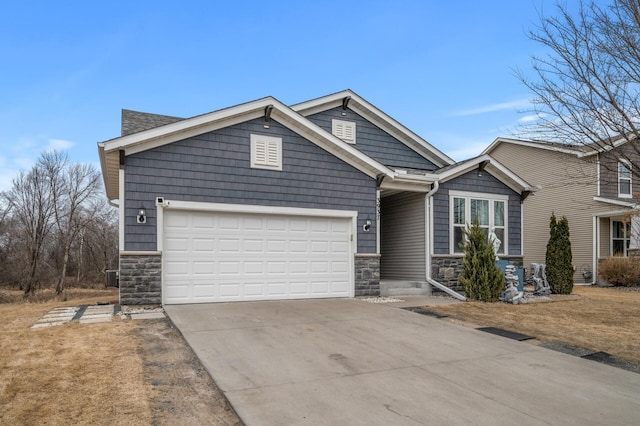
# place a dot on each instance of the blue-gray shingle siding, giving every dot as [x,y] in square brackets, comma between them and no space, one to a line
[215,168]
[471,182]
[373,141]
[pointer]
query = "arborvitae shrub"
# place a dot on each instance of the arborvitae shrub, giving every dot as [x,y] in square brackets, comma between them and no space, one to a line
[480,277]
[559,267]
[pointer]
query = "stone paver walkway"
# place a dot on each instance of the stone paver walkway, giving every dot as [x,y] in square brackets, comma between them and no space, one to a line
[93,314]
[57,316]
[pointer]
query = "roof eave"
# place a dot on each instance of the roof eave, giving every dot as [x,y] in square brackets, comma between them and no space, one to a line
[169,133]
[495,168]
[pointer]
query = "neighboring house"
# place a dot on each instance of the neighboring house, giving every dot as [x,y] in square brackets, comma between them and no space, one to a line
[593,188]
[264,201]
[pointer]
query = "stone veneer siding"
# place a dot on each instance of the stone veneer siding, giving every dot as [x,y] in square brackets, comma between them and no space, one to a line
[367,275]
[445,269]
[140,278]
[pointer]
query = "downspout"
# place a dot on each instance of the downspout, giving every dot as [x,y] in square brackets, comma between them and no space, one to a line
[428,233]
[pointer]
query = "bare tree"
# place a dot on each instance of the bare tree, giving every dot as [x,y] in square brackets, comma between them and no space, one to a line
[73,188]
[100,251]
[31,203]
[587,89]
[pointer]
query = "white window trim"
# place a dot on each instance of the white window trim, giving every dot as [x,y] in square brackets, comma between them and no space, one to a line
[337,125]
[269,142]
[627,164]
[467,212]
[624,239]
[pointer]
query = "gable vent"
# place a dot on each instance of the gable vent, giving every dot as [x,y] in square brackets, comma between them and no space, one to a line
[266,152]
[345,130]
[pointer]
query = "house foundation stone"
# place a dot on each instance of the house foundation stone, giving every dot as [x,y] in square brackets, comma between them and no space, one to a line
[140,278]
[446,268]
[367,274]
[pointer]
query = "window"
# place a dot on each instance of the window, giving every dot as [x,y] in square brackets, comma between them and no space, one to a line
[624,179]
[620,237]
[345,130]
[266,152]
[490,211]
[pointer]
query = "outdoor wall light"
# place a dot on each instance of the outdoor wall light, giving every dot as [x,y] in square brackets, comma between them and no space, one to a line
[142,215]
[481,167]
[267,116]
[367,225]
[345,104]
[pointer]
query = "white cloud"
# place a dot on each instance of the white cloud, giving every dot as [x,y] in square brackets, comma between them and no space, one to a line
[466,151]
[58,145]
[530,118]
[513,105]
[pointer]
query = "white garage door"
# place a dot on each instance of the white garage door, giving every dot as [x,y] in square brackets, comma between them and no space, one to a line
[220,257]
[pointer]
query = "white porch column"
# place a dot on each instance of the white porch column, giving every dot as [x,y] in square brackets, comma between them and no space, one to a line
[634,238]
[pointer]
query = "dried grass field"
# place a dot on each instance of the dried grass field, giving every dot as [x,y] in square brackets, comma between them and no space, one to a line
[123,372]
[599,319]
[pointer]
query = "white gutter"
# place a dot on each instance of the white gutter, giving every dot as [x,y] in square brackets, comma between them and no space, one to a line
[428,234]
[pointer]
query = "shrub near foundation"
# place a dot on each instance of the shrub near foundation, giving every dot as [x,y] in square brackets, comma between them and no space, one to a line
[480,277]
[620,271]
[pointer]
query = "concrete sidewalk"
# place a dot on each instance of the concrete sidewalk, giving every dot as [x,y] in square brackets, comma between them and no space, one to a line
[348,362]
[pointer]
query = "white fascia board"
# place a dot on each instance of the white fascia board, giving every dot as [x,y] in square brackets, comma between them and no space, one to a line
[168,133]
[615,202]
[103,167]
[190,127]
[502,173]
[323,103]
[612,213]
[531,144]
[411,186]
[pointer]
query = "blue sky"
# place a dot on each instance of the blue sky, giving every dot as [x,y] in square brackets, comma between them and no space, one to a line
[445,69]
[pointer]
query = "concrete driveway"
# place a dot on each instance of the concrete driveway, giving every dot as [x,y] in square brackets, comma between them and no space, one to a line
[348,362]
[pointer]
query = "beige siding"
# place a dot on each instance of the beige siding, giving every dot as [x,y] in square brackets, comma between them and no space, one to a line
[567,186]
[402,237]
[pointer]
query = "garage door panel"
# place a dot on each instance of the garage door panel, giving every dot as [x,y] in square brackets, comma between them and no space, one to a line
[203,222]
[255,246]
[319,247]
[228,222]
[299,246]
[276,267]
[253,268]
[253,223]
[276,224]
[229,268]
[204,244]
[203,290]
[204,268]
[277,246]
[320,287]
[230,245]
[178,268]
[211,257]
[177,244]
[299,267]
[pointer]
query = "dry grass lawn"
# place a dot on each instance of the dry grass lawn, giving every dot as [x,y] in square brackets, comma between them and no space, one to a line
[70,374]
[599,319]
[119,373]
